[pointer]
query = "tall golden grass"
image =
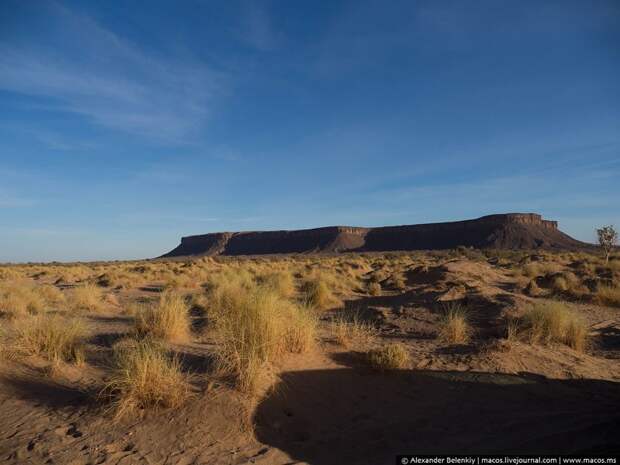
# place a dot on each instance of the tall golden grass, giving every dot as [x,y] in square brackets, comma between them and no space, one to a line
[19,298]
[281,282]
[53,337]
[454,327]
[316,292]
[167,320]
[145,376]
[547,322]
[609,295]
[86,297]
[255,327]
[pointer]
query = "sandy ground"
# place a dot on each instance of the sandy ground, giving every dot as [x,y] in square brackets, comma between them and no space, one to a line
[328,407]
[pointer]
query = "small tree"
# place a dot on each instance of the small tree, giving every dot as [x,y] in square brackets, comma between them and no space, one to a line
[607,239]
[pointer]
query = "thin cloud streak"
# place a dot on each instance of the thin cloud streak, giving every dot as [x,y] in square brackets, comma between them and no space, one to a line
[111,82]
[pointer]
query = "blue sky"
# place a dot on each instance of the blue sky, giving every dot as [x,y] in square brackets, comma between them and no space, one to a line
[126,125]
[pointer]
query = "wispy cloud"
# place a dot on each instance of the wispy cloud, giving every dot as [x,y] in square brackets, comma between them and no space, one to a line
[8,201]
[52,140]
[256,29]
[110,81]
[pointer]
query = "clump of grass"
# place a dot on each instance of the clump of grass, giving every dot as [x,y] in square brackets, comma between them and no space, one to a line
[145,376]
[281,282]
[227,286]
[554,322]
[454,327]
[608,295]
[86,297]
[535,269]
[181,281]
[614,265]
[389,357]
[566,282]
[316,293]
[512,330]
[255,328]
[167,320]
[18,298]
[533,289]
[560,284]
[374,288]
[301,330]
[397,281]
[352,330]
[53,337]
[51,294]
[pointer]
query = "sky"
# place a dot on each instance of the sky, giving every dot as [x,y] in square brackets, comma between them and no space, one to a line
[126,125]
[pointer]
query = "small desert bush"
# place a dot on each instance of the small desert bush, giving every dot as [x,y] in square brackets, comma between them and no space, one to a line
[51,336]
[255,328]
[454,327]
[86,298]
[351,330]
[608,295]
[145,376]
[389,357]
[554,322]
[167,320]
[316,293]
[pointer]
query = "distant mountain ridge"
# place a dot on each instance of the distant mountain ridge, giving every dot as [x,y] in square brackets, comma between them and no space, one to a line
[501,231]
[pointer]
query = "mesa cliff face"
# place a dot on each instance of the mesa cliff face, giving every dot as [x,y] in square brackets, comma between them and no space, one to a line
[504,231]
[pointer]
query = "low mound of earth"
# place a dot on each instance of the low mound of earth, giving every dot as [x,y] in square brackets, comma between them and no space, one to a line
[504,231]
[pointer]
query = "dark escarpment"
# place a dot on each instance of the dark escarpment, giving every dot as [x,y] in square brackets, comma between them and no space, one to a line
[504,231]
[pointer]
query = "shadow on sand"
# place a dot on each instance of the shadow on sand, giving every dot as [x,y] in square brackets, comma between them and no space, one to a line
[47,392]
[337,416]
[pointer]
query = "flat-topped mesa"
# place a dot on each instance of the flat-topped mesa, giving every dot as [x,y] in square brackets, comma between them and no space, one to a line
[508,231]
[521,218]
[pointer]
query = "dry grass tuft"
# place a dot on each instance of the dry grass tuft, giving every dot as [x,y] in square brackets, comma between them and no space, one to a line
[554,322]
[389,357]
[145,376]
[454,324]
[352,330]
[316,293]
[301,329]
[53,337]
[535,269]
[281,282]
[86,298]
[167,320]
[254,327]
[532,289]
[374,288]
[51,294]
[19,298]
[609,295]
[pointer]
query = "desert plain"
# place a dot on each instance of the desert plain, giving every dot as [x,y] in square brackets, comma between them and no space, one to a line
[317,359]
